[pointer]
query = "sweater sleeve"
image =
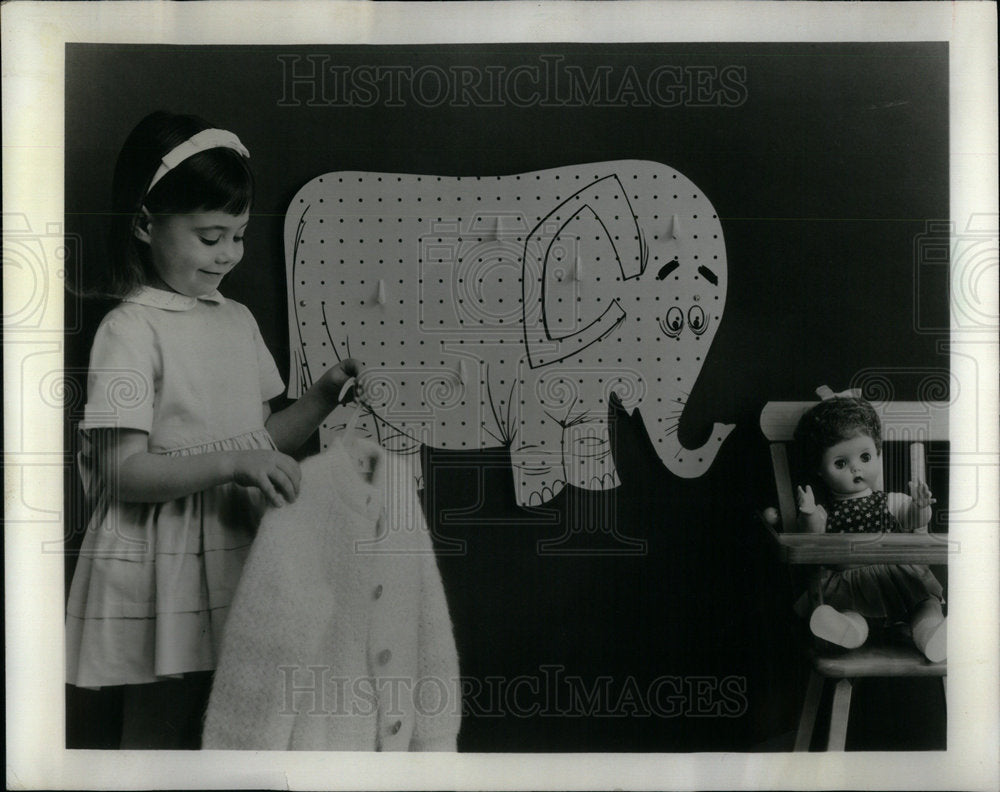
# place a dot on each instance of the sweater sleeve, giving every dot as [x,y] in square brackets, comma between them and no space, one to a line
[439,706]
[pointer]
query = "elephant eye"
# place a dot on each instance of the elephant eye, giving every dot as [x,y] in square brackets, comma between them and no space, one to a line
[674,323]
[696,320]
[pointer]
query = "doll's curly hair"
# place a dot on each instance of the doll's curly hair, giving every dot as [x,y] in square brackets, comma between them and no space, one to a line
[832,421]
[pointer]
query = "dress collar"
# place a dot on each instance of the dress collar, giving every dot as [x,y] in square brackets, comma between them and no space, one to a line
[171,301]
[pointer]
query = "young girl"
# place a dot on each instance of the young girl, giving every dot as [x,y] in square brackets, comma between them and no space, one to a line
[841,442]
[180,451]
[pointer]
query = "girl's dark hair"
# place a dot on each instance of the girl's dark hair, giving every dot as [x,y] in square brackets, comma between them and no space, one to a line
[216,179]
[832,421]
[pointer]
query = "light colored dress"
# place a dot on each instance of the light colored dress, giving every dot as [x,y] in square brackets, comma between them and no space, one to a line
[153,582]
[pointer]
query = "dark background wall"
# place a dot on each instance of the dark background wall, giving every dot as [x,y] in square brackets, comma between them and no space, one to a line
[829,171]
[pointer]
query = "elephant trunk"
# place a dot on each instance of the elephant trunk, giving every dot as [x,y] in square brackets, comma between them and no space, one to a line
[691,462]
[662,429]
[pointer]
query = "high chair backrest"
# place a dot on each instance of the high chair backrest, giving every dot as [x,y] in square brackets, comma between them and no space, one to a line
[908,422]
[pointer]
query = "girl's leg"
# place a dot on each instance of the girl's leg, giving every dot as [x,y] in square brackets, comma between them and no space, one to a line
[847,629]
[166,715]
[930,630]
[94,717]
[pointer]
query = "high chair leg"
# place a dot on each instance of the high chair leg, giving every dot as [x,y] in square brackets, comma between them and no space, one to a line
[807,720]
[839,715]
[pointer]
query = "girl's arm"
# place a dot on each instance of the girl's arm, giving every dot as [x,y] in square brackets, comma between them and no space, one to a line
[133,474]
[811,516]
[291,427]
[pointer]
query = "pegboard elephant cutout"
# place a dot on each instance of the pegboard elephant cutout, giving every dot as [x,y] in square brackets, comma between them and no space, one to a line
[512,310]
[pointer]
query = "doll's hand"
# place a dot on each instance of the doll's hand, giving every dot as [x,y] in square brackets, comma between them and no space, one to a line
[277,475]
[921,494]
[334,379]
[805,499]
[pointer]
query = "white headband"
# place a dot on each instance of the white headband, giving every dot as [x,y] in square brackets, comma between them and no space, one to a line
[206,139]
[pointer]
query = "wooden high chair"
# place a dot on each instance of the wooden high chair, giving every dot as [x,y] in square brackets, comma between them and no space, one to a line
[912,422]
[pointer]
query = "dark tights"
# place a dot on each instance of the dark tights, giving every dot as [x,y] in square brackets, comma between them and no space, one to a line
[167,714]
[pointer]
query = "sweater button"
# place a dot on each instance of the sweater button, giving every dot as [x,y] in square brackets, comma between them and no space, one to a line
[384,657]
[378,591]
[394,729]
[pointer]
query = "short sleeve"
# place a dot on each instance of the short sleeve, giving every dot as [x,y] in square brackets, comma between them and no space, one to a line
[121,381]
[271,384]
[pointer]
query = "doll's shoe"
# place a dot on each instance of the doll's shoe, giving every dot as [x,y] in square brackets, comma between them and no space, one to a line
[849,630]
[933,642]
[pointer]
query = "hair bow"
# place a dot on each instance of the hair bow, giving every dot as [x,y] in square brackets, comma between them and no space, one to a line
[825,393]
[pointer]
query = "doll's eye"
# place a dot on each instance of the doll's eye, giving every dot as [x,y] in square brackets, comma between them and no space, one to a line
[210,241]
[866,457]
[839,464]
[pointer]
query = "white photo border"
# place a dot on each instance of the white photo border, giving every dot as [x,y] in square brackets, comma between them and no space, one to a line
[34,39]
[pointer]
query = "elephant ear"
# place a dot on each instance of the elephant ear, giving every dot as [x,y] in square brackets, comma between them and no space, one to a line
[572,260]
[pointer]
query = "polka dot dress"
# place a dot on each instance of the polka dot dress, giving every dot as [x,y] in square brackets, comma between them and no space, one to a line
[869,514]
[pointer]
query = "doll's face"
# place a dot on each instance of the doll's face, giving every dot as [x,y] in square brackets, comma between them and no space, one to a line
[851,466]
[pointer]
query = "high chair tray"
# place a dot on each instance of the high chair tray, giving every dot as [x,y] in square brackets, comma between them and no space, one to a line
[884,548]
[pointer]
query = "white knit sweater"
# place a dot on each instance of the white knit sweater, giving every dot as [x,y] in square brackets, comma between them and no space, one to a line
[339,637]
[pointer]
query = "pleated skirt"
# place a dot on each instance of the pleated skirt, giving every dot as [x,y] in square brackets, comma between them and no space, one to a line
[153,582]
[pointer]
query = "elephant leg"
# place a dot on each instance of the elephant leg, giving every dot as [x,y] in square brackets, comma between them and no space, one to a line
[537,467]
[586,454]
[576,453]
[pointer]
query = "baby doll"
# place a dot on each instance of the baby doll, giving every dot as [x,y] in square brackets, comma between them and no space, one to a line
[841,442]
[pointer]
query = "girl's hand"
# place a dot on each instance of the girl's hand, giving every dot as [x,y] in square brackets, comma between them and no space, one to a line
[921,494]
[333,380]
[292,426]
[275,474]
[805,499]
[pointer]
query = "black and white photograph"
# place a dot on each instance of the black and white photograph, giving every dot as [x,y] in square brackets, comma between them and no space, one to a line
[573,393]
